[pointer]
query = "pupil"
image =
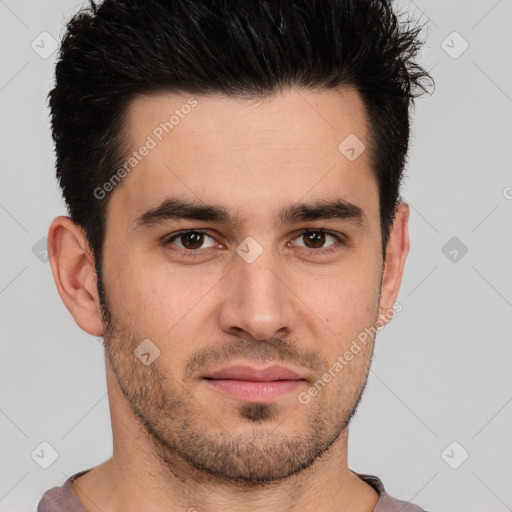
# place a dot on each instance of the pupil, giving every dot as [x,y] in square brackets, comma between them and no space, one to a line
[317,238]
[192,240]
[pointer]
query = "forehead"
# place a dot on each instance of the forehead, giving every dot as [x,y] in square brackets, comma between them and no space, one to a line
[309,119]
[245,153]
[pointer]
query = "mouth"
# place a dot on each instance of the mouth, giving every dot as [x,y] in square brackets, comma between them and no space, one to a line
[255,384]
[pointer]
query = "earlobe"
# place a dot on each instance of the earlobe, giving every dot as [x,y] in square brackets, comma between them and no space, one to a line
[397,250]
[72,264]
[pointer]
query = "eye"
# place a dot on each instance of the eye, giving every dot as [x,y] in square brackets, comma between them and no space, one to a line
[315,240]
[190,241]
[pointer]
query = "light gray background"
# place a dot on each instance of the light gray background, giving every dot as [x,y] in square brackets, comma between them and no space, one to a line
[442,368]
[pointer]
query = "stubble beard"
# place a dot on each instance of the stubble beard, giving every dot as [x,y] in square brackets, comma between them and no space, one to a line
[181,431]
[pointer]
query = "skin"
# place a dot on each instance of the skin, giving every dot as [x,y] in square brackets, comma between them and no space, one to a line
[178,443]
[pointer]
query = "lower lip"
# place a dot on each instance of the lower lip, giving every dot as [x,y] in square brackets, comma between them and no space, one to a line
[252,391]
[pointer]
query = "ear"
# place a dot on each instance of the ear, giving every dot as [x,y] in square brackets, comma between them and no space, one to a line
[397,250]
[72,263]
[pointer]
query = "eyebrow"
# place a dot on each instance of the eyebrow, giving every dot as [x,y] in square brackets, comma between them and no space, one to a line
[175,208]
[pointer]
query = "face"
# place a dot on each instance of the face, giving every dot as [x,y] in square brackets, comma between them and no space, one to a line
[245,248]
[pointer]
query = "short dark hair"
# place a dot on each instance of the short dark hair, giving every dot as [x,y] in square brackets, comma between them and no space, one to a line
[122,48]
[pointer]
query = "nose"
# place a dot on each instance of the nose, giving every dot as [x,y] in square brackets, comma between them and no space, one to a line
[258,300]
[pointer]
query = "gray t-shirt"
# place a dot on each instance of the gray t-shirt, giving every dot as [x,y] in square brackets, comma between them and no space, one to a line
[63,499]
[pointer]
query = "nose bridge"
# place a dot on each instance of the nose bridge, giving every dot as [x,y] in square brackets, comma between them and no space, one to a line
[259,301]
[260,280]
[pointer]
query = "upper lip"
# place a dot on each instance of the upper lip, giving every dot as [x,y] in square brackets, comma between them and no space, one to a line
[243,372]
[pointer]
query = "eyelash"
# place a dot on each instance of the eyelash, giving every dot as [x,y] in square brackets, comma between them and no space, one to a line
[340,241]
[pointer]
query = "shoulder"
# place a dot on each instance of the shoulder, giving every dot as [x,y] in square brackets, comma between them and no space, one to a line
[62,499]
[386,502]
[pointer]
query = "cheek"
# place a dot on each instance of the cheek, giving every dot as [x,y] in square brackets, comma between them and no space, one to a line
[138,299]
[159,298]
[346,301]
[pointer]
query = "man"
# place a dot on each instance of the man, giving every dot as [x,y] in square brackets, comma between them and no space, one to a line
[236,236]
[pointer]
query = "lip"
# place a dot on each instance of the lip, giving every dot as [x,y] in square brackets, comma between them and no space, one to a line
[248,373]
[255,384]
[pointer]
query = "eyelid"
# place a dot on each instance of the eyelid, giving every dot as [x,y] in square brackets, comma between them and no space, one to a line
[167,243]
[177,234]
[340,242]
[335,234]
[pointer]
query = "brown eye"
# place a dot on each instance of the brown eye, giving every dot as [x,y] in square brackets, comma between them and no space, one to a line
[314,239]
[191,240]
